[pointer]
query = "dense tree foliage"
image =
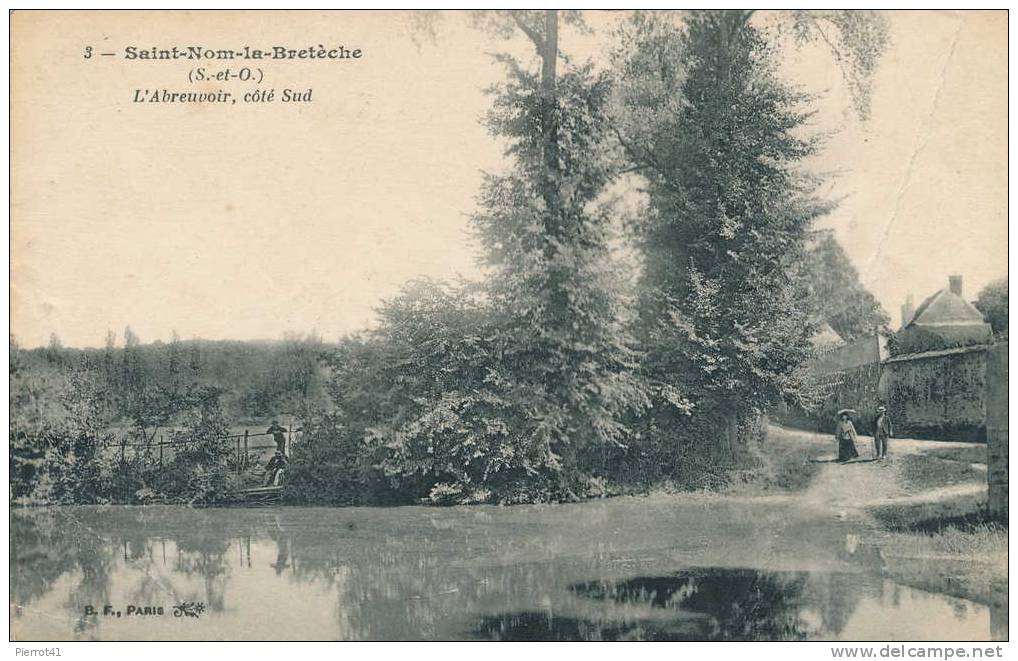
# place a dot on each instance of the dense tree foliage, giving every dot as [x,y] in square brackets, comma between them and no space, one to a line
[839,297]
[566,355]
[992,302]
[720,141]
[54,437]
[517,389]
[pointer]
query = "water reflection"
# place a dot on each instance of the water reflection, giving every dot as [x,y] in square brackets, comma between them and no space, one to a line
[742,604]
[583,572]
[535,626]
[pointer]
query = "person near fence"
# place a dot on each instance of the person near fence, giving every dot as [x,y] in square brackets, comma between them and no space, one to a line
[882,430]
[278,435]
[272,469]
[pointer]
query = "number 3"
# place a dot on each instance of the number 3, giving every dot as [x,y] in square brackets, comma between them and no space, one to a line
[88,52]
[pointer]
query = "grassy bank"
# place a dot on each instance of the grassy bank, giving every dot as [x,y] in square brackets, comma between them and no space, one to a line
[781,463]
[932,531]
[948,545]
[784,462]
[942,468]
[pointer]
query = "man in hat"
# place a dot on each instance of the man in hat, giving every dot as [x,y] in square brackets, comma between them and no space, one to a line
[882,431]
[278,435]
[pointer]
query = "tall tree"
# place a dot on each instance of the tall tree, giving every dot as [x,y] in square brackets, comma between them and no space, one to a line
[174,364]
[54,349]
[546,232]
[522,388]
[720,140]
[132,370]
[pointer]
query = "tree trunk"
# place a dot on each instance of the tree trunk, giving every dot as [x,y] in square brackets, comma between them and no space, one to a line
[549,127]
[555,225]
[549,56]
[733,432]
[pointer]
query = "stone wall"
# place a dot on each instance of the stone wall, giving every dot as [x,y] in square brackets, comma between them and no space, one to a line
[940,395]
[861,352]
[996,428]
[937,394]
[851,388]
[855,388]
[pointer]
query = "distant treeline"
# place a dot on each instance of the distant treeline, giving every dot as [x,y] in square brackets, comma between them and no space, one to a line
[255,379]
[73,411]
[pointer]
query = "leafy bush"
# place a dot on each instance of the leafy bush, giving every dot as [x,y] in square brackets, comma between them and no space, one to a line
[61,451]
[685,448]
[335,465]
[54,435]
[430,407]
[444,409]
[201,470]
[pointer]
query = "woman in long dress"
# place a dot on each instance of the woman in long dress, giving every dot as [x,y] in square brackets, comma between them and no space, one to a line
[845,434]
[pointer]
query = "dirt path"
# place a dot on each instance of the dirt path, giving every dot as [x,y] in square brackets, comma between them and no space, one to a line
[847,489]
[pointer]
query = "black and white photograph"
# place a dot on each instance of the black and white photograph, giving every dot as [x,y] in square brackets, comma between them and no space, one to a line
[553,325]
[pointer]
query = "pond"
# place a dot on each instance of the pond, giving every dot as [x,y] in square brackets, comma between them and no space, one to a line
[664,568]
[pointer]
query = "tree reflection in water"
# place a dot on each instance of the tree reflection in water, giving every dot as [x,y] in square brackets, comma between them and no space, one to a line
[702,604]
[47,544]
[416,574]
[203,554]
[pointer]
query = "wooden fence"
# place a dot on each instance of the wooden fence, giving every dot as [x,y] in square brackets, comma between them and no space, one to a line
[244,446]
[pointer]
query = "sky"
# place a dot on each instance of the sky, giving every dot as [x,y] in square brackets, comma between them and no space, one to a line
[249,221]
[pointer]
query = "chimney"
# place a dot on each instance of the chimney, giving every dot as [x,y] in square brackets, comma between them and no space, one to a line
[907,311]
[954,282]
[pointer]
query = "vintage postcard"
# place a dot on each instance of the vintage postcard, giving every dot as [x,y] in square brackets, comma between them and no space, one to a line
[490,325]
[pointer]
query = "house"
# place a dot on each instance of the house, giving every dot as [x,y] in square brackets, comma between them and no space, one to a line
[933,376]
[935,380]
[826,339]
[945,320]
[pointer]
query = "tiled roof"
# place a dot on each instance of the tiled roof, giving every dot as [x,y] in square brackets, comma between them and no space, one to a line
[945,307]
